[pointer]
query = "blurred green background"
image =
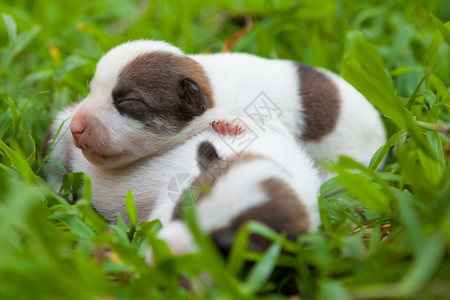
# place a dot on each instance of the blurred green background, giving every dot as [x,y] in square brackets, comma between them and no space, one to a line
[385,235]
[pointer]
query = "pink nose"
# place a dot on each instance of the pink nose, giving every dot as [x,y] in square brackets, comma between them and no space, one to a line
[77,127]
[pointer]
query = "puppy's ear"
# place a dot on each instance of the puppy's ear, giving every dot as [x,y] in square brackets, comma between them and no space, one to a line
[193,99]
[206,155]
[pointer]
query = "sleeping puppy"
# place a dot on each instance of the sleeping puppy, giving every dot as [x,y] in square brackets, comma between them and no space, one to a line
[277,187]
[158,182]
[148,96]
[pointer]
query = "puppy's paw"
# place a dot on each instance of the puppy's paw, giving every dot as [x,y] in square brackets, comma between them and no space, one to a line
[227,127]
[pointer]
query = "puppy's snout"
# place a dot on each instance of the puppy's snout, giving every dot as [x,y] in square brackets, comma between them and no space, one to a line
[78,128]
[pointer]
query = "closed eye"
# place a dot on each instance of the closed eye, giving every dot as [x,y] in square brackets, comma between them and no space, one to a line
[129,101]
[128,104]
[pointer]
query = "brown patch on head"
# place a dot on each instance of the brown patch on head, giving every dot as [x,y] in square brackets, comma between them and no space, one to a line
[212,168]
[220,167]
[163,90]
[321,103]
[283,212]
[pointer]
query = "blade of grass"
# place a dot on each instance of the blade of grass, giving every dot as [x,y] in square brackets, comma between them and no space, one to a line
[213,260]
[443,28]
[132,213]
[261,272]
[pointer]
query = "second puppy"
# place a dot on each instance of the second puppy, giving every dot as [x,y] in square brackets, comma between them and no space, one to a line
[272,181]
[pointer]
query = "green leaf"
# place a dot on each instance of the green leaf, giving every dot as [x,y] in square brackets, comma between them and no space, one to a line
[19,44]
[413,97]
[372,62]
[122,230]
[437,83]
[365,191]
[69,64]
[330,186]
[424,266]
[365,70]
[375,239]
[211,256]
[85,181]
[433,49]
[261,272]
[72,184]
[56,139]
[160,251]
[370,189]
[310,9]
[131,210]
[236,258]
[11,27]
[410,218]
[353,246]
[382,151]
[405,69]
[443,28]
[76,225]
[19,162]
[32,156]
[334,290]
[429,97]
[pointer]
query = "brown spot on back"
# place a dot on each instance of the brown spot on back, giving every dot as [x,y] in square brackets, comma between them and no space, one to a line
[282,212]
[321,103]
[156,78]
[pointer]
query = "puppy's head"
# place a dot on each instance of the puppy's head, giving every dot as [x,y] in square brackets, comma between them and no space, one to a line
[143,94]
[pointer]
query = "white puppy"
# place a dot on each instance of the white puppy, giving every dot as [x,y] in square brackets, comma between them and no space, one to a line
[158,182]
[148,96]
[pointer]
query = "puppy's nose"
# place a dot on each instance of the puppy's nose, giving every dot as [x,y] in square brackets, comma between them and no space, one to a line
[77,127]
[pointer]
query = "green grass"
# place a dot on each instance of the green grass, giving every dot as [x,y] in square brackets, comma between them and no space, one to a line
[384,235]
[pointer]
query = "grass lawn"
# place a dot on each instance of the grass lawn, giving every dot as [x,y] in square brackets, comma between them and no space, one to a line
[384,235]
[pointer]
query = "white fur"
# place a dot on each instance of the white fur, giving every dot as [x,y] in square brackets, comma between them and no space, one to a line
[237,80]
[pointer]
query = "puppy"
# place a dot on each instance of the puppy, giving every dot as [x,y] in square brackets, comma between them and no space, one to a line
[157,182]
[273,181]
[148,96]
